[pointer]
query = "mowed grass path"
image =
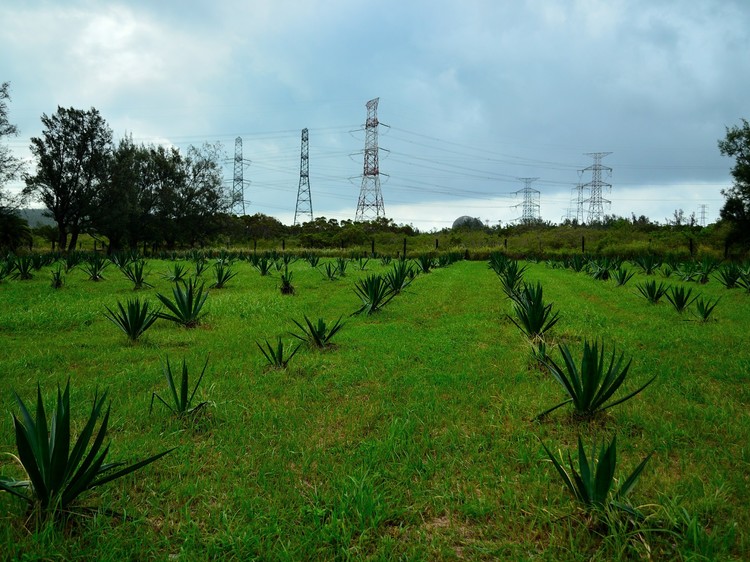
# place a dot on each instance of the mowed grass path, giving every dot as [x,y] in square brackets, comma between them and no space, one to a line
[411,439]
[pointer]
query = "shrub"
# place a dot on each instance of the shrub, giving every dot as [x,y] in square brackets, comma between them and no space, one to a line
[135,272]
[223,273]
[374,293]
[592,483]
[317,335]
[133,319]
[680,298]
[651,291]
[594,384]
[181,405]
[57,475]
[534,317]
[275,355]
[187,305]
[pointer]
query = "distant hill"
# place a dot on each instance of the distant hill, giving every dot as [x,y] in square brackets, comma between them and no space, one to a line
[35,217]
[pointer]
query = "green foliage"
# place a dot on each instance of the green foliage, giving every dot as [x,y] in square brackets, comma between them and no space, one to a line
[182,402]
[175,273]
[374,292]
[72,260]
[94,267]
[512,278]
[330,271]
[622,276]
[312,259]
[651,291]
[286,286]
[341,265]
[593,482]
[57,277]
[680,297]
[275,355]
[728,275]
[201,265]
[264,265]
[362,263]
[576,262]
[400,276]
[317,335]
[704,308]
[385,260]
[22,268]
[594,384]
[648,263]
[57,475]
[135,272]
[223,274]
[425,263]
[601,268]
[134,318]
[533,317]
[189,299]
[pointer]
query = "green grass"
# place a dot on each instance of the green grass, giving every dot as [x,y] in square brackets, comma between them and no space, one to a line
[411,439]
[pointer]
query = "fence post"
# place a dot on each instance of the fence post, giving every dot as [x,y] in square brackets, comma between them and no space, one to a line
[404,248]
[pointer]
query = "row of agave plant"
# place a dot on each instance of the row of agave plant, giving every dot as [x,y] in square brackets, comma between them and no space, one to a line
[57,475]
[592,385]
[731,275]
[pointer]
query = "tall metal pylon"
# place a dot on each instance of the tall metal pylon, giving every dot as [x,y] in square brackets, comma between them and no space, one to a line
[238,185]
[370,204]
[304,199]
[530,207]
[596,201]
[580,199]
[703,209]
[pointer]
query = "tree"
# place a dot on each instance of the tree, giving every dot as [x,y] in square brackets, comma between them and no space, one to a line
[736,209]
[73,157]
[14,230]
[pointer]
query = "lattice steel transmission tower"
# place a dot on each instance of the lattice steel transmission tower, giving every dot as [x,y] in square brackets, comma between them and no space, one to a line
[370,203]
[580,198]
[596,201]
[238,185]
[703,210]
[530,207]
[304,199]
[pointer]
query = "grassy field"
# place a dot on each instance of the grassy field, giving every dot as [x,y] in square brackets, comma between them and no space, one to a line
[411,439]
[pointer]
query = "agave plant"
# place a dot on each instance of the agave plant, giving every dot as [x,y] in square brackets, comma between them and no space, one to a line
[648,263]
[341,265]
[175,273]
[330,271]
[72,260]
[182,404]
[680,298]
[577,262]
[534,317]
[135,272]
[22,268]
[275,355]
[591,386]
[94,267]
[400,276]
[498,262]
[622,276]
[57,474]
[374,292]
[312,259]
[512,278]
[385,260]
[319,334]
[652,291]
[362,263]
[593,482]
[425,263]
[223,273]
[58,277]
[705,268]
[286,286]
[264,265]
[201,265]
[601,268]
[687,271]
[728,275]
[189,299]
[133,319]
[704,308]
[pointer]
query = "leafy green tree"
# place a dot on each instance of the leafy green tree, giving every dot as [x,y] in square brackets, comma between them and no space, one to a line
[73,156]
[14,230]
[736,209]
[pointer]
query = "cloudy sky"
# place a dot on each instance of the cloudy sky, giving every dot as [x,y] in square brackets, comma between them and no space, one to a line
[475,93]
